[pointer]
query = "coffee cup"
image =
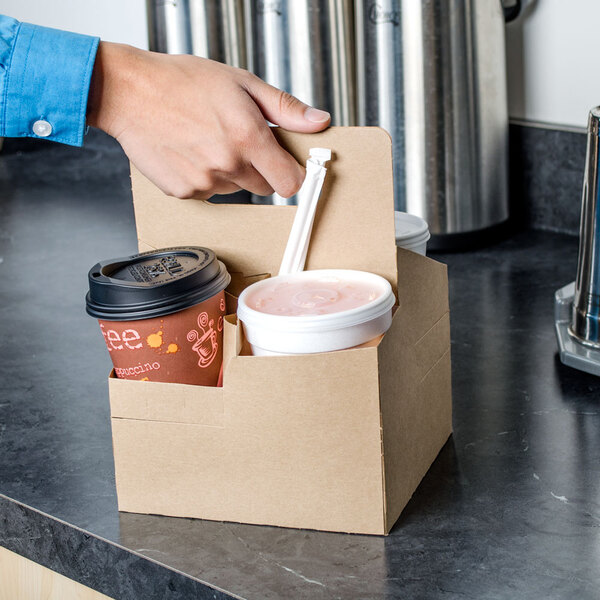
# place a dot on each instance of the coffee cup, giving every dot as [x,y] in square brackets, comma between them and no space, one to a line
[412,232]
[161,314]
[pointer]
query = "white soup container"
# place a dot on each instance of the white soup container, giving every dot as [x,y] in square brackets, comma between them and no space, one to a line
[317,326]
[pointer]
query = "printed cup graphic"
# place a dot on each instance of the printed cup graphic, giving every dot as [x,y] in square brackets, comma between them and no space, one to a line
[206,343]
[161,314]
[183,347]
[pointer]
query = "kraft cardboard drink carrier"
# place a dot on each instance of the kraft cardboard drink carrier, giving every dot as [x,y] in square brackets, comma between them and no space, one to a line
[336,441]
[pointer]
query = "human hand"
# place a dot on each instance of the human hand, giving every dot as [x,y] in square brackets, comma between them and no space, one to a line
[196,127]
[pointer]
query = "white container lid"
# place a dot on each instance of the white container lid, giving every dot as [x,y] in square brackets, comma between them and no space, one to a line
[414,240]
[337,320]
[323,332]
[410,227]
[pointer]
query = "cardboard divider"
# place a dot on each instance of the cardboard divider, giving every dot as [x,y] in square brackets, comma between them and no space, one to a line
[232,339]
[165,402]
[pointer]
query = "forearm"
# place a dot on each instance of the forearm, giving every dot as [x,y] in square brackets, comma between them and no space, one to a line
[115,78]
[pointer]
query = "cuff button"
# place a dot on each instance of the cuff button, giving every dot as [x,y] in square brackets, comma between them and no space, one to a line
[42,128]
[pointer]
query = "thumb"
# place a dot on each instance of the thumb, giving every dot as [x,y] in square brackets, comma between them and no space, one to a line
[286,110]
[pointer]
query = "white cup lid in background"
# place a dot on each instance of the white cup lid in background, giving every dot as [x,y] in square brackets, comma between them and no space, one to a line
[410,227]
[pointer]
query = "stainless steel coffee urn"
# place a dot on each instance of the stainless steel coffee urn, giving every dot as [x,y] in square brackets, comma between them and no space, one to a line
[305,47]
[432,72]
[209,28]
[218,31]
[169,26]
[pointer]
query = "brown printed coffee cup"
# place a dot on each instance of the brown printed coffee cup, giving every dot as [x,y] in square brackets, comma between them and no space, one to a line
[161,314]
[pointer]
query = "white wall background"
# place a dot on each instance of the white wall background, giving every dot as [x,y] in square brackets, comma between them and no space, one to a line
[552,49]
[113,20]
[553,53]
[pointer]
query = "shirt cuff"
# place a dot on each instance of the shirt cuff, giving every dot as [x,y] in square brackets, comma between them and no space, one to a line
[48,83]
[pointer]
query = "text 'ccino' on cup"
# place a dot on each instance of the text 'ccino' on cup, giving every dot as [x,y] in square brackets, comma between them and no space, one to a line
[315,311]
[161,314]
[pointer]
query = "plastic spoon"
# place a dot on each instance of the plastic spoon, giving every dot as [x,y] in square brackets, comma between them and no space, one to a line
[296,249]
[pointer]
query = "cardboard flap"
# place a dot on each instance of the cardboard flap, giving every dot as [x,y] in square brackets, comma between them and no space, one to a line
[354,224]
[165,402]
[232,339]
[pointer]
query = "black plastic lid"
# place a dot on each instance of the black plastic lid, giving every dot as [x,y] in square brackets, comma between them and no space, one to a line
[155,283]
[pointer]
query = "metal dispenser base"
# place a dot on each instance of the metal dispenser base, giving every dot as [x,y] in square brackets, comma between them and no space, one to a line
[572,353]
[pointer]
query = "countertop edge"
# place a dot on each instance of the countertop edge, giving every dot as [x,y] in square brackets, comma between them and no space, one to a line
[95,562]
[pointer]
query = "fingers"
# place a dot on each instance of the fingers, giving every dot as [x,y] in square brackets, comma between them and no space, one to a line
[205,182]
[219,187]
[181,178]
[220,141]
[250,179]
[275,165]
[285,110]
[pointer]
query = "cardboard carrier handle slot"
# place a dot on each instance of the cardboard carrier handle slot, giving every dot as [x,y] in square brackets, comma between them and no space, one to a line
[354,224]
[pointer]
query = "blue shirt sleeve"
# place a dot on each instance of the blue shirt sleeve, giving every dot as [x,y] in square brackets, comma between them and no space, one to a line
[45,77]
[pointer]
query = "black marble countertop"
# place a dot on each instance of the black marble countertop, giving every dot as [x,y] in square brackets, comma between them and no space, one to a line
[510,508]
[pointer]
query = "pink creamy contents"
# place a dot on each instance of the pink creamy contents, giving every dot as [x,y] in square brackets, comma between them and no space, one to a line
[309,297]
